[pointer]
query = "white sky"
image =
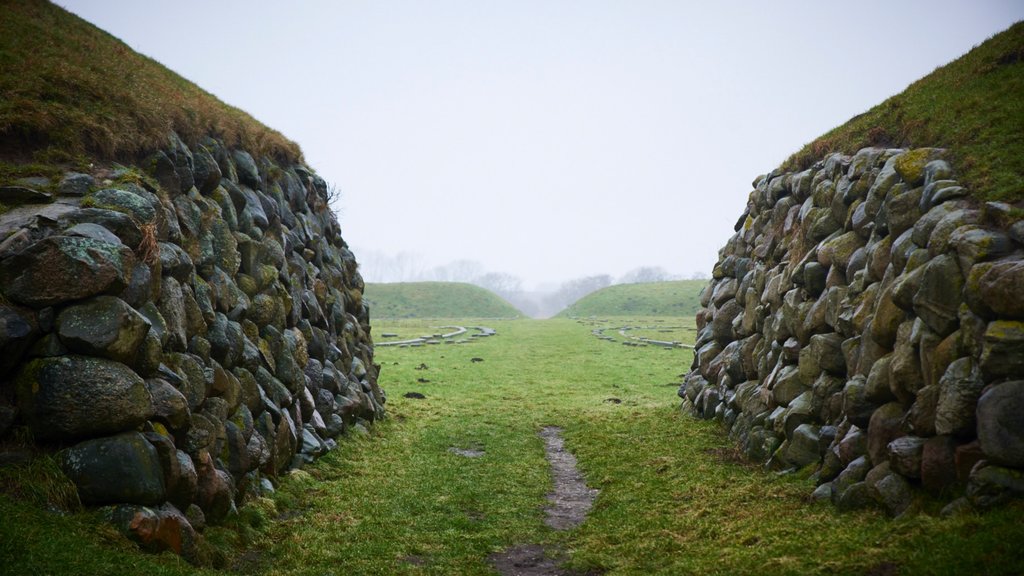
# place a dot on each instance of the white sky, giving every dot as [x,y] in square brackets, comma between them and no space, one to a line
[549,139]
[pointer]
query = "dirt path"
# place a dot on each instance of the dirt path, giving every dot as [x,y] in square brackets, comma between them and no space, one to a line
[570,502]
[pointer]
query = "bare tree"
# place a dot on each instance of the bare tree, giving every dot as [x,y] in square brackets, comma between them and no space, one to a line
[502,284]
[645,274]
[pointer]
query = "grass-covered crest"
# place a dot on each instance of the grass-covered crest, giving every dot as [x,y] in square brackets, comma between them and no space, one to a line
[70,90]
[973,106]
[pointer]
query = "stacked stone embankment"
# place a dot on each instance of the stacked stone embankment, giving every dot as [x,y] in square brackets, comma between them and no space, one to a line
[866,320]
[181,332]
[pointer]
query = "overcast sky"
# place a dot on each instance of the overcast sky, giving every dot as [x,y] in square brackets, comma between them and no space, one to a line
[549,139]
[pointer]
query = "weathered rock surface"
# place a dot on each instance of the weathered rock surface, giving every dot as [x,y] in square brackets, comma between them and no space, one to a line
[187,329]
[887,312]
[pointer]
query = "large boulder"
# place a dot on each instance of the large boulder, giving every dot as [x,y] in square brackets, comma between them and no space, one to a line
[1001,423]
[103,326]
[64,268]
[1000,288]
[1002,350]
[157,529]
[959,390]
[938,297]
[72,397]
[122,468]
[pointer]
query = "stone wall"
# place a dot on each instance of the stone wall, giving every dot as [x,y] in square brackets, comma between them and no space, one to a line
[865,322]
[182,331]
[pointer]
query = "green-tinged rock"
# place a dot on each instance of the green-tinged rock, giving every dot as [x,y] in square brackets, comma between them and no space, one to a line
[72,397]
[991,486]
[1001,423]
[115,469]
[169,405]
[959,390]
[103,326]
[910,165]
[902,210]
[63,268]
[838,250]
[123,201]
[1002,352]
[938,297]
[1001,288]
[975,244]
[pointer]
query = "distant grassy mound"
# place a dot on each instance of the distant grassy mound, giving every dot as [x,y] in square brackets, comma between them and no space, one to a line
[69,90]
[435,300]
[678,298]
[973,106]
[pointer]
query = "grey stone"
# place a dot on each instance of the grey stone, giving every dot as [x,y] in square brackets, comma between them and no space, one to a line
[103,326]
[991,486]
[938,297]
[73,397]
[75,184]
[959,390]
[63,268]
[905,455]
[122,468]
[1000,416]
[895,494]
[1002,352]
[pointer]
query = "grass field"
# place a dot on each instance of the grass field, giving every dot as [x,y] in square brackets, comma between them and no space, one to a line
[672,500]
[435,300]
[676,298]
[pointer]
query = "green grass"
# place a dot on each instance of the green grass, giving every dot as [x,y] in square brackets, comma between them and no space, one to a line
[673,498]
[672,501]
[974,106]
[70,90]
[435,300]
[676,298]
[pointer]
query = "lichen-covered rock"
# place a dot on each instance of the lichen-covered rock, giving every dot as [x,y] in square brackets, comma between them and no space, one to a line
[1002,352]
[122,468]
[959,390]
[1001,423]
[999,288]
[103,326]
[63,268]
[71,397]
[938,297]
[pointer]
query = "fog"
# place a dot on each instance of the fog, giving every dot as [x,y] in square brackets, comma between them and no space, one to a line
[548,140]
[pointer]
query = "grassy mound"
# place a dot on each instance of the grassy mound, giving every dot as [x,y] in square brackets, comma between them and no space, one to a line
[677,298]
[973,106]
[70,91]
[435,300]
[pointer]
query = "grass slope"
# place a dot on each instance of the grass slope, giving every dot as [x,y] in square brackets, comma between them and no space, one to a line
[974,106]
[435,300]
[70,89]
[677,298]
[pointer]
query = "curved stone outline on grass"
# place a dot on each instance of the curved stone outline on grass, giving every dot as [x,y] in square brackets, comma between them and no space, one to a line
[640,341]
[446,338]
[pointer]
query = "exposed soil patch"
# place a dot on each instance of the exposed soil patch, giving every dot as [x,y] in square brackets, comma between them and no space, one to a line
[571,499]
[570,502]
[467,452]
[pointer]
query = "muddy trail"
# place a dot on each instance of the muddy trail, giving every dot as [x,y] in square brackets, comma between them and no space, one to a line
[570,501]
